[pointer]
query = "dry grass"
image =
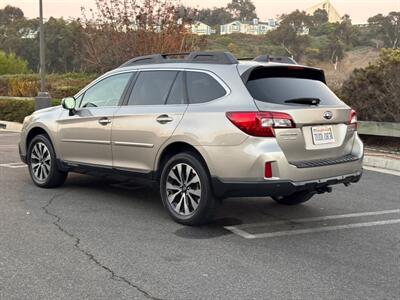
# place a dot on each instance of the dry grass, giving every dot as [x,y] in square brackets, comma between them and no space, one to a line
[359,58]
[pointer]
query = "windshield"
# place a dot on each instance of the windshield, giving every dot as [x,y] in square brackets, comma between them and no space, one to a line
[278,90]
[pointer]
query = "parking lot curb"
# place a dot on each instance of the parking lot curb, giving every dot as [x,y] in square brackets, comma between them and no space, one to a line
[10,126]
[382,161]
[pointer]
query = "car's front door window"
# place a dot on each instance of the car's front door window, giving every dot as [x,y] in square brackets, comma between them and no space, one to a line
[107,92]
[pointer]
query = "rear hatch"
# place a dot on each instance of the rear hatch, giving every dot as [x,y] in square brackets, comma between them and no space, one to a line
[321,118]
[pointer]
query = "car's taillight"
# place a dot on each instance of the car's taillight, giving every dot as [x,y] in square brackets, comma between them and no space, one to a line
[260,123]
[353,119]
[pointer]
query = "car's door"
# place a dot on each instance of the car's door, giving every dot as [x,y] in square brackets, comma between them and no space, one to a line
[85,137]
[155,107]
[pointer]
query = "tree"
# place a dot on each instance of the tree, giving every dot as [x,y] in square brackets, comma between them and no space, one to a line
[339,38]
[334,50]
[320,17]
[187,14]
[215,16]
[119,30]
[242,9]
[319,22]
[11,64]
[345,31]
[292,33]
[387,28]
[22,38]
[211,16]
[10,14]
[62,40]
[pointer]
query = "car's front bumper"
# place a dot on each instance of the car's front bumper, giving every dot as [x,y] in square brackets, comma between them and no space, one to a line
[277,187]
[22,156]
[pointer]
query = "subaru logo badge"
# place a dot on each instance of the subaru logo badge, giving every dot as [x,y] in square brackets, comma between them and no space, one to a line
[328,115]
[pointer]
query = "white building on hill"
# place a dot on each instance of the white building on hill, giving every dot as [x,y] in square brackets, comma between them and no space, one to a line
[254,27]
[333,15]
[201,28]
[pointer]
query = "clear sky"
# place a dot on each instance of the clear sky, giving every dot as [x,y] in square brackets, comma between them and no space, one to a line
[359,10]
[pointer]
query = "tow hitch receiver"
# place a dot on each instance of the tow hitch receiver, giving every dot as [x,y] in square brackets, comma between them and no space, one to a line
[326,189]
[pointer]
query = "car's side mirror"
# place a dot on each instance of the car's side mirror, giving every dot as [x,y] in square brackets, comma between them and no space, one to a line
[69,103]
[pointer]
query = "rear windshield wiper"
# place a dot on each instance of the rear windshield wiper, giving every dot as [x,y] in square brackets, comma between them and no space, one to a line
[306,101]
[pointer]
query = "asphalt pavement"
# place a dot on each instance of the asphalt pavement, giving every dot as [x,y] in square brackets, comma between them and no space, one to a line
[102,239]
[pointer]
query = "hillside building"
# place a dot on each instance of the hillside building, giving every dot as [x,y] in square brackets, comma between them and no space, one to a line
[201,28]
[333,14]
[254,27]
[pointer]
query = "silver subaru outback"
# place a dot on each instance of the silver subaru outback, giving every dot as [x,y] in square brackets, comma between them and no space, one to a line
[201,126]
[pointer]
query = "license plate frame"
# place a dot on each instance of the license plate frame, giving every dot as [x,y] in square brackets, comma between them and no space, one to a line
[322,135]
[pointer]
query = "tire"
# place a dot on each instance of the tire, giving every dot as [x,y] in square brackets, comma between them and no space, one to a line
[188,200]
[294,199]
[42,163]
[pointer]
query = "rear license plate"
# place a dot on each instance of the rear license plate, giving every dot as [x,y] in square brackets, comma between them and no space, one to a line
[322,135]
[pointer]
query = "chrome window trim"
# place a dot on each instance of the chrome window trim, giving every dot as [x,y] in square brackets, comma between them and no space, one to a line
[212,74]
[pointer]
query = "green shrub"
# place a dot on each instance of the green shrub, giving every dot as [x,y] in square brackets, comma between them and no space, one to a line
[16,110]
[375,91]
[11,64]
[58,85]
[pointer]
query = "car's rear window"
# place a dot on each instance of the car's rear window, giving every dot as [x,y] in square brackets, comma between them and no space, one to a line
[281,85]
[203,88]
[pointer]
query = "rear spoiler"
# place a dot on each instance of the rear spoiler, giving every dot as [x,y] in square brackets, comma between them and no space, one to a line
[270,58]
[287,71]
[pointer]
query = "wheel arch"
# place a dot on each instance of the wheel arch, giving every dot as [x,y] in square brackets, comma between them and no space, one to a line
[174,148]
[34,131]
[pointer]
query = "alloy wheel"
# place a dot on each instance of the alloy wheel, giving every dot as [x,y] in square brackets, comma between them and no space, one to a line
[40,161]
[183,189]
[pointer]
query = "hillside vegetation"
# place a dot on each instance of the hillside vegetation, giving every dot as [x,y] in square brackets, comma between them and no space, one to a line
[375,90]
[250,46]
[358,58]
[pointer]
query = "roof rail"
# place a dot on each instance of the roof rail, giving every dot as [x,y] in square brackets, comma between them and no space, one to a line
[223,58]
[278,59]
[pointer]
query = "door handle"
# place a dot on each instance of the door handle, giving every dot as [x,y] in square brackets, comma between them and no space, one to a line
[164,119]
[104,121]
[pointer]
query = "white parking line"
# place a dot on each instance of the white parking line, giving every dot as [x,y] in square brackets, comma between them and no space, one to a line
[323,218]
[240,230]
[247,235]
[8,146]
[15,165]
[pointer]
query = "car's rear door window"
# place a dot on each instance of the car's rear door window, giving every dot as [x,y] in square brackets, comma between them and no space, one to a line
[177,95]
[152,87]
[202,87]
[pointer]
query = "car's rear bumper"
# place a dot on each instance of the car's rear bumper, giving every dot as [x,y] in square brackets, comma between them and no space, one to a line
[246,162]
[277,187]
